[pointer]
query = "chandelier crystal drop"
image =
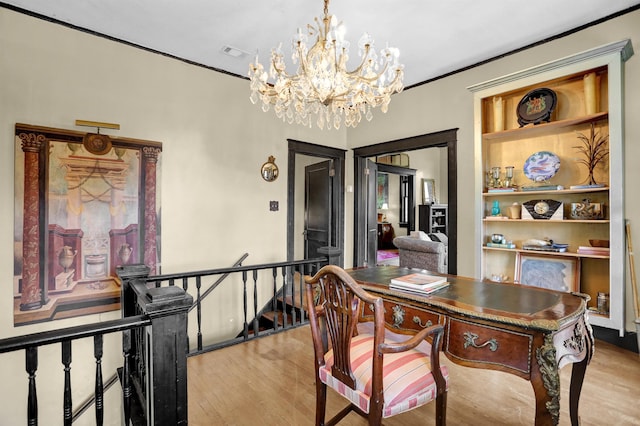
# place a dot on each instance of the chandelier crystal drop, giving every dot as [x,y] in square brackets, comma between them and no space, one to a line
[322,88]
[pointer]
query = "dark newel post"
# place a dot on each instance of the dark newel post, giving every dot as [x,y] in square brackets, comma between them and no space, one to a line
[128,274]
[333,253]
[168,308]
[166,341]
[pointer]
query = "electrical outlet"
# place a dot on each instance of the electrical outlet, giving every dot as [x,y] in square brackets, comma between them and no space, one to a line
[273,206]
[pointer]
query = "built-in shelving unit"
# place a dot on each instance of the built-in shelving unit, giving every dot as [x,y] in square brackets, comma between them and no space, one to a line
[501,141]
[433,218]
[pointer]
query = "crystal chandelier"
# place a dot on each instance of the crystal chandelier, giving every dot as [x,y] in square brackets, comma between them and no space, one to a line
[322,87]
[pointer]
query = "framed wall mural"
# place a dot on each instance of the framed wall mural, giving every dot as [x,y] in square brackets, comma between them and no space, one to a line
[555,273]
[80,212]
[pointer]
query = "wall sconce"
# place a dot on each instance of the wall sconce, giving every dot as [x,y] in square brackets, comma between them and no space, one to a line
[269,170]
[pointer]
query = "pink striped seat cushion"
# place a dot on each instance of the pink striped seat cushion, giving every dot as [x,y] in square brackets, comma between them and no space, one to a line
[407,379]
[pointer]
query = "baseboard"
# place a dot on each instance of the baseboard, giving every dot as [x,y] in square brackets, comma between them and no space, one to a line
[629,341]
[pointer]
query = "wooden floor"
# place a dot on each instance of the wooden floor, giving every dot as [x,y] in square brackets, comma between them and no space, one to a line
[269,381]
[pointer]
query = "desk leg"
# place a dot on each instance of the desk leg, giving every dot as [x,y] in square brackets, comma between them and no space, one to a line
[578,371]
[576,348]
[546,384]
[577,378]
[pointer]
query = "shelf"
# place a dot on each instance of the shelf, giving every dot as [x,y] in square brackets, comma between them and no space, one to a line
[556,191]
[548,253]
[596,221]
[538,129]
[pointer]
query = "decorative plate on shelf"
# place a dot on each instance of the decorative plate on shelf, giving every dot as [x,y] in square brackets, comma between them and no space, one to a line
[536,106]
[541,166]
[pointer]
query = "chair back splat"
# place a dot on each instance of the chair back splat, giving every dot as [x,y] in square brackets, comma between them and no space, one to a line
[379,379]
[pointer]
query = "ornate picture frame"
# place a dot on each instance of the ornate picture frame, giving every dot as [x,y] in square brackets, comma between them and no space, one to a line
[561,273]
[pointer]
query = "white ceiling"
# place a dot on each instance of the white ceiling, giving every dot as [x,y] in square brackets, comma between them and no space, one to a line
[434,37]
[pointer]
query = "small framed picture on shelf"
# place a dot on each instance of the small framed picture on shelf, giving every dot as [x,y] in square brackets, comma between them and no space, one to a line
[551,272]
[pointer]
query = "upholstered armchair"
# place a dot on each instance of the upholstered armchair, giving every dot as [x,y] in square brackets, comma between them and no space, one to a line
[379,374]
[416,252]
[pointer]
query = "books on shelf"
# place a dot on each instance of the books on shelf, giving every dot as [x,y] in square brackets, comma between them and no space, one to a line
[601,251]
[419,283]
[550,248]
[510,189]
[501,245]
[595,185]
[543,188]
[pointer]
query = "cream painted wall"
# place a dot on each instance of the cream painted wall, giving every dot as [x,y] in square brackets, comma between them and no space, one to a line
[446,104]
[430,163]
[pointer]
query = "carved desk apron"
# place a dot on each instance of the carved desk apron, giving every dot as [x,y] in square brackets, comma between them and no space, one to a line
[522,330]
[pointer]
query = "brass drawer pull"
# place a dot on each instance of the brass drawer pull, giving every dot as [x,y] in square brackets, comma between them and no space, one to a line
[418,321]
[470,340]
[398,316]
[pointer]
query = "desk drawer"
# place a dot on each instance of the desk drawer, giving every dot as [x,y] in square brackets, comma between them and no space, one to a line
[485,344]
[404,317]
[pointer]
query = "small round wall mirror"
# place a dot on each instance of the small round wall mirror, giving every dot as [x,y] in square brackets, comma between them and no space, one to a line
[269,170]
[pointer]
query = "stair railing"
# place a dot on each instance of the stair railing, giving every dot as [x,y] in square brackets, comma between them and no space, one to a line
[159,327]
[259,287]
[155,336]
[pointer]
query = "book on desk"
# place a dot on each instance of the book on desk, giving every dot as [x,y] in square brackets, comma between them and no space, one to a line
[419,283]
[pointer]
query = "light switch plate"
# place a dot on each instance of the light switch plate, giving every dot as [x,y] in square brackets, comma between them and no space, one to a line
[273,206]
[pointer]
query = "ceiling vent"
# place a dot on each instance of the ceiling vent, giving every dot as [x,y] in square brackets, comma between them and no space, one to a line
[234,52]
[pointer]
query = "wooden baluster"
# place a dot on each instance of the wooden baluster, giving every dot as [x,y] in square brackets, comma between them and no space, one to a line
[67,404]
[256,330]
[274,303]
[32,401]
[289,279]
[99,390]
[285,315]
[244,304]
[301,287]
[199,311]
[126,376]
[185,286]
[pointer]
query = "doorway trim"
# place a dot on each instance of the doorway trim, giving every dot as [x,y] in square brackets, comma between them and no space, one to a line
[337,191]
[445,138]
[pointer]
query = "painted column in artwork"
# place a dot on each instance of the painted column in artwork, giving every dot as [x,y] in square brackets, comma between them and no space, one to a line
[150,156]
[32,296]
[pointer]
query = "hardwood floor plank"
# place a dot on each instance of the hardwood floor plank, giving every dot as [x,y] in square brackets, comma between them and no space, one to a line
[269,381]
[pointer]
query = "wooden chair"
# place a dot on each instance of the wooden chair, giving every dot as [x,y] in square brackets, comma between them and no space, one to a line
[380,379]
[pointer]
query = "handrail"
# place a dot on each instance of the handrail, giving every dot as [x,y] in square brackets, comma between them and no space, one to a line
[231,269]
[43,338]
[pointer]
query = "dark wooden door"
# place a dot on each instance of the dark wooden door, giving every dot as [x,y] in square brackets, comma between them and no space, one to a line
[371,174]
[317,203]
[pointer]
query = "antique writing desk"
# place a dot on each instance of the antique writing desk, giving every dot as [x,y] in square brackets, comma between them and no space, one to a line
[526,331]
